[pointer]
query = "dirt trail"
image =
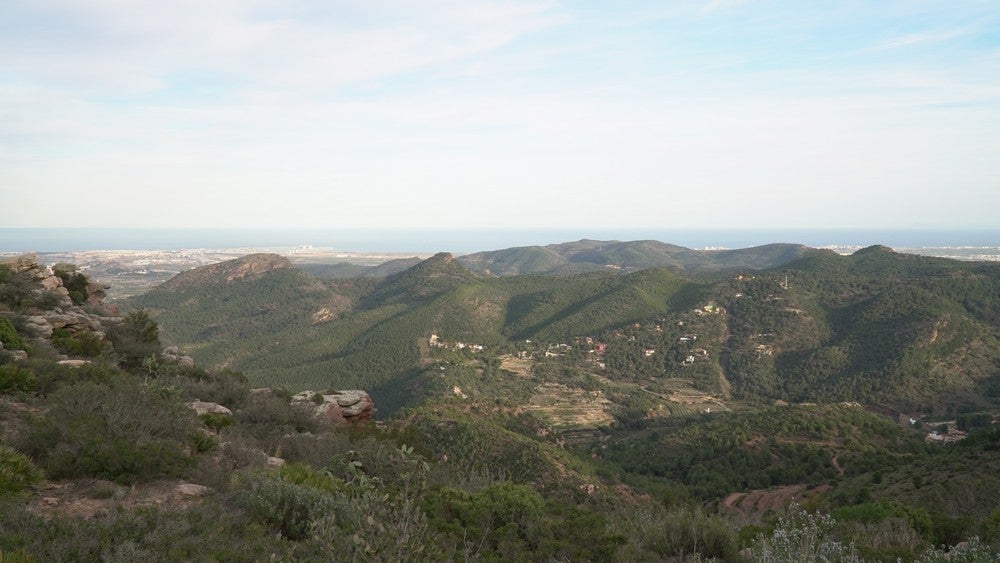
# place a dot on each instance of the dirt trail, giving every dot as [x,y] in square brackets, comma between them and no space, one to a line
[836,465]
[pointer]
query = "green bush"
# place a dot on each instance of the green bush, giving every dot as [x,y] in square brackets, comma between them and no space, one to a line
[9,337]
[47,300]
[803,536]
[16,472]
[136,338]
[126,432]
[52,376]
[203,532]
[266,414]
[509,522]
[302,474]
[15,378]
[74,282]
[286,507]
[19,556]
[226,387]
[203,442]
[85,343]
[216,421]
[654,533]
[17,289]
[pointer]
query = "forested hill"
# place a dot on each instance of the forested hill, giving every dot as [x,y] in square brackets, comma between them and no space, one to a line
[911,332]
[249,267]
[590,255]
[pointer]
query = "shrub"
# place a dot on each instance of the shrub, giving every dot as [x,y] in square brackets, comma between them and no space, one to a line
[802,536]
[662,534]
[136,338]
[226,387]
[9,337]
[216,421]
[288,508]
[267,414]
[202,532]
[203,442]
[127,432]
[84,343]
[16,472]
[74,282]
[15,378]
[47,300]
[972,551]
[302,474]
[17,289]
[509,522]
[52,376]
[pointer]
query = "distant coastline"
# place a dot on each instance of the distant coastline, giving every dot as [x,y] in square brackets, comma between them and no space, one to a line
[13,240]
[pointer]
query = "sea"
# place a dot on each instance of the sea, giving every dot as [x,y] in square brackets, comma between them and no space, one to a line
[969,244]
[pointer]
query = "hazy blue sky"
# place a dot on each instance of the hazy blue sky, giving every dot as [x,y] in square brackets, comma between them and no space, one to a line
[439,113]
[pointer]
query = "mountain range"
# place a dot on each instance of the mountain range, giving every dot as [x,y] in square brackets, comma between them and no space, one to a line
[843,405]
[916,333]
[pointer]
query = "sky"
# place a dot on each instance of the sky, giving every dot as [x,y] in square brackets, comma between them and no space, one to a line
[500,114]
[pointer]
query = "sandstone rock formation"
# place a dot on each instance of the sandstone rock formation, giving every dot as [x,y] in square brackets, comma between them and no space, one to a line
[337,408]
[65,315]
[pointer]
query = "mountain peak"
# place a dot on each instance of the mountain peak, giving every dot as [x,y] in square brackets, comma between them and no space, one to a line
[425,279]
[247,267]
[875,248]
[440,257]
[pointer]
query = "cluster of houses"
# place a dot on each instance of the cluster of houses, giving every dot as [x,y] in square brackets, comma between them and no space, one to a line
[943,432]
[710,309]
[435,342]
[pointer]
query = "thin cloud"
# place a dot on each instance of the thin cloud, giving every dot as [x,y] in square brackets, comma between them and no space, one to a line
[913,39]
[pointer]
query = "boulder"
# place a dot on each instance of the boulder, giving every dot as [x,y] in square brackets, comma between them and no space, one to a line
[52,282]
[18,355]
[193,490]
[24,263]
[347,398]
[204,407]
[362,410]
[73,363]
[38,325]
[96,292]
[275,462]
[337,409]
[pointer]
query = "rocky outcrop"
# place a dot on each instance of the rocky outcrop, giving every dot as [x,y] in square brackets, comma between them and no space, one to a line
[65,315]
[172,355]
[37,325]
[337,408]
[204,407]
[17,355]
[47,280]
[96,292]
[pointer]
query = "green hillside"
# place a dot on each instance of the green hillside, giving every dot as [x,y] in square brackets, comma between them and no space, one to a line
[373,330]
[629,256]
[912,333]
